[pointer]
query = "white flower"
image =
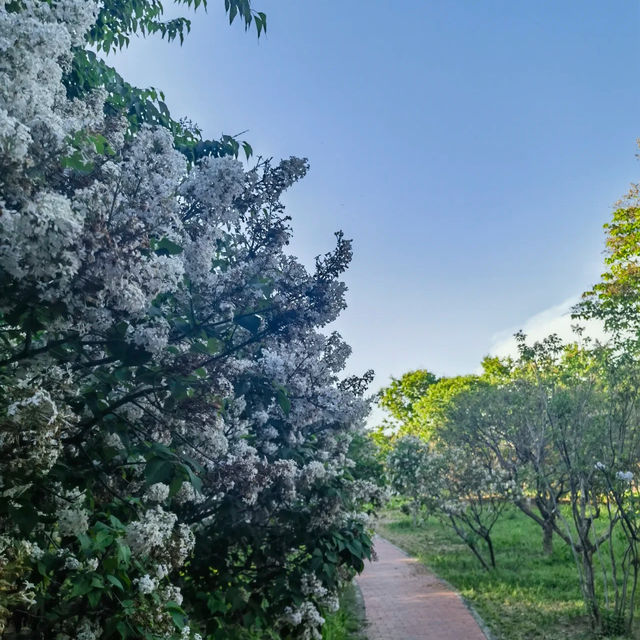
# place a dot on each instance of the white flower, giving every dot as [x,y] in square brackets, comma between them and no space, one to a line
[146,584]
[158,492]
[92,563]
[152,533]
[162,571]
[113,440]
[126,254]
[73,521]
[215,183]
[186,494]
[87,630]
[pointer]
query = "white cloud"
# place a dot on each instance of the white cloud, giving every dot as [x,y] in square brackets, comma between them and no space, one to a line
[556,319]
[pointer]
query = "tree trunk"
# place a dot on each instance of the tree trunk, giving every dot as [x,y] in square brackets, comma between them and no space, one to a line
[589,589]
[492,555]
[547,537]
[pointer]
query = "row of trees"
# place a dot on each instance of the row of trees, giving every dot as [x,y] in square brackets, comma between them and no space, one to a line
[554,431]
[174,426]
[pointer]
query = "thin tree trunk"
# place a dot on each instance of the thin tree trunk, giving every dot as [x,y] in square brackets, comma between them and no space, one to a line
[491,553]
[547,537]
[590,590]
[476,553]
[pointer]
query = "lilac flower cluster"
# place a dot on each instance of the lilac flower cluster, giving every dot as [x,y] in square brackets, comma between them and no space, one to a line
[173,420]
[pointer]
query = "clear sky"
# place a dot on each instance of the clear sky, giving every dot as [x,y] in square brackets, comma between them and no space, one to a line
[472,149]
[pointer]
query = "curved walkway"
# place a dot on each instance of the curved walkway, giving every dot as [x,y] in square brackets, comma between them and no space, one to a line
[404,601]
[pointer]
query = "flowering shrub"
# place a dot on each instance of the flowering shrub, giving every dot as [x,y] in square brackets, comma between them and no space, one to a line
[475,493]
[173,425]
[467,489]
[416,472]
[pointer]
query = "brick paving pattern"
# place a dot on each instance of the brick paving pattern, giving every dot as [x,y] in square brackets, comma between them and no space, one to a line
[404,601]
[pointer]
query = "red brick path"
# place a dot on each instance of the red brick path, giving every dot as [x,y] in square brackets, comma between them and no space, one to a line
[404,601]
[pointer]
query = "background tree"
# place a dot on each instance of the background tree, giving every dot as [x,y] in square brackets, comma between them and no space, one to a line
[508,416]
[418,401]
[462,487]
[400,397]
[616,298]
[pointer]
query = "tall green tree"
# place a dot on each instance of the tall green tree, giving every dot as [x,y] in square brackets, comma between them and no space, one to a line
[616,298]
[400,397]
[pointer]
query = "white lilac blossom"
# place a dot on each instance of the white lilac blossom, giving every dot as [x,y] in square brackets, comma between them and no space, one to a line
[625,476]
[87,631]
[308,615]
[73,521]
[162,571]
[113,440]
[146,584]
[72,563]
[215,183]
[152,532]
[186,494]
[93,563]
[171,593]
[168,393]
[157,492]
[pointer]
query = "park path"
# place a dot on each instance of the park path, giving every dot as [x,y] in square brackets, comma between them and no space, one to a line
[405,601]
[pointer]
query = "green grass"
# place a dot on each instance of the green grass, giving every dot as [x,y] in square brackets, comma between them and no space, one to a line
[528,597]
[347,623]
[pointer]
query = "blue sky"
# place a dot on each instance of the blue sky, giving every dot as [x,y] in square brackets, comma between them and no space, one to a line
[472,149]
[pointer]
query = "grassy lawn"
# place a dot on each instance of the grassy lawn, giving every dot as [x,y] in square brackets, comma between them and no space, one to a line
[528,597]
[348,622]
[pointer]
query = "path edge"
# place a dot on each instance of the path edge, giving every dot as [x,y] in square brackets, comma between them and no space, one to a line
[361,607]
[472,610]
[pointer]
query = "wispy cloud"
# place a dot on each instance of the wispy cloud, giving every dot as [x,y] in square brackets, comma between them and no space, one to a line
[556,319]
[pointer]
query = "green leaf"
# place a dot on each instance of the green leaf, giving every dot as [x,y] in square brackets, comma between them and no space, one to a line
[283,400]
[233,12]
[124,554]
[123,629]
[81,586]
[103,540]
[76,162]
[94,597]
[355,548]
[129,607]
[216,604]
[115,582]
[251,323]
[128,354]
[198,347]
[97,582]
[115,522]
[158,470]
[166,247]
[196,482]
[177,614]
[25,516]
[213,346]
